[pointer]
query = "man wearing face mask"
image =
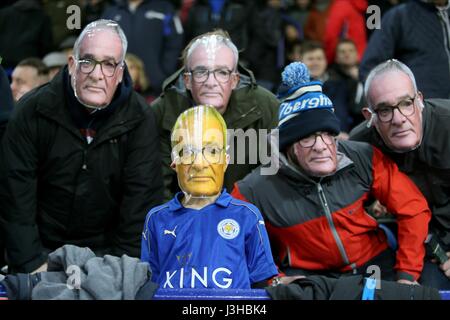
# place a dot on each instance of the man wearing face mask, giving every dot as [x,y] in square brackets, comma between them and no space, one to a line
[203,237]
[314,207]
[80,160]
[212,75]
[414,132]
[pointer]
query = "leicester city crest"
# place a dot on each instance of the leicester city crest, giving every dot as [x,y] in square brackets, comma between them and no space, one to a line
[228,228]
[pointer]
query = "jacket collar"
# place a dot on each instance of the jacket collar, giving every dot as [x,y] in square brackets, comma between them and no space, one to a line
[52,103]
[223,200]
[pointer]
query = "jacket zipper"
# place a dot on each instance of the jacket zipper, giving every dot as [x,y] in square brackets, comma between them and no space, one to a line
[338,240]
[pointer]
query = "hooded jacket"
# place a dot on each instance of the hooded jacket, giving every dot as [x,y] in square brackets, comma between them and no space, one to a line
[56,188]
[250,107]
[322,225]
[428,165]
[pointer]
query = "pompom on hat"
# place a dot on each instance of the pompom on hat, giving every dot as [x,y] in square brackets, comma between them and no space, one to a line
[304,108]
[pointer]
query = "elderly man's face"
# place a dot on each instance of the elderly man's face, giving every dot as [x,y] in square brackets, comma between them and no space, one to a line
[316,154]
[201,161]
[97,88]
[402,133]
[212,90]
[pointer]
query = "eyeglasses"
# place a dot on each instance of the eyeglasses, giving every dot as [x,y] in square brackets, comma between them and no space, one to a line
[201,75]
[405,107]
[188,154]
[107,67]
[310,140]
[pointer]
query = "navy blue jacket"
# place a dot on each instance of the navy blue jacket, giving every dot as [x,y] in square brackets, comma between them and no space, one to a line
[154,34]
[415,34]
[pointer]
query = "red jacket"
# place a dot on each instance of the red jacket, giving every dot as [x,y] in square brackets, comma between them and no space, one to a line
[324,226]
[346,19]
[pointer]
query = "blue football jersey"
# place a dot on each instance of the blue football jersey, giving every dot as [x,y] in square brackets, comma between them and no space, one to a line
[223,245]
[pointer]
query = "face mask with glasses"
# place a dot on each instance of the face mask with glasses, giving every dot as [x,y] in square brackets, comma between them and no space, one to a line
[187,155]
[310,140]
[108,67]
[200,75]
[405,107]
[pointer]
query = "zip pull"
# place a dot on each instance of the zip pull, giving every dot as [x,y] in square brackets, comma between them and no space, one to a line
[84,166]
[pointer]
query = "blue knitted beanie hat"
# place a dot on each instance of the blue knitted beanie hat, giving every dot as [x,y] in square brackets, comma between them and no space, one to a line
[304,108]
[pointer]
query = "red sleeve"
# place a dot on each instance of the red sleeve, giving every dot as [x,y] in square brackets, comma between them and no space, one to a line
[334,25]
[236,193]
[403,199]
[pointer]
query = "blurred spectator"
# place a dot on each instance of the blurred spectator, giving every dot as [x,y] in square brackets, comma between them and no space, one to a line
[344,74]
[416,33]
[346,20]
[384,6]
[229,15]
[299,10]
[139,78]
[313,56]
[25,32]
[265,53]
[93,9]
[154,33]
[294,18]
[67,44]
[185,8]
[317,19]
[57,12]
[54,62]
[293,51]
[27,75]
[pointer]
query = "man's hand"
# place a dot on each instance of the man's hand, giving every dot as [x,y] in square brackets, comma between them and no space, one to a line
[446,266]
[42,268]
[404,281]
[378,210]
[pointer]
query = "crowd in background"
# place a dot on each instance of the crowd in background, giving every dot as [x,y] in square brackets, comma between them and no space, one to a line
[330,36]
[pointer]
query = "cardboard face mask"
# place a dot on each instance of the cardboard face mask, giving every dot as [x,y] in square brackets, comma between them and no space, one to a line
[199,152]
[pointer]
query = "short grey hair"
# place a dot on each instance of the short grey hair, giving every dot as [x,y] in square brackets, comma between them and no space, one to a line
[384,67]
[102,24]
[220,36]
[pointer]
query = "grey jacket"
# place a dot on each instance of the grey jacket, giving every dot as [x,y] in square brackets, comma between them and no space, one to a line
[75,273]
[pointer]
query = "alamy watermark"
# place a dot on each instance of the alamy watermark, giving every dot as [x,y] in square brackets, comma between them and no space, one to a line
[374,18]
[251,146]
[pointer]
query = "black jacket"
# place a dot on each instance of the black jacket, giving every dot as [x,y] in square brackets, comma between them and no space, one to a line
[417,35]
[26,31]
[57,189]
[6,101]
[348,288]
[428,165]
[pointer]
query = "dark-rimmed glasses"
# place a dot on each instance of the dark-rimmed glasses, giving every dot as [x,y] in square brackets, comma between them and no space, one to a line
[405,107]
[310,140]
[107,67]
[200,75]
